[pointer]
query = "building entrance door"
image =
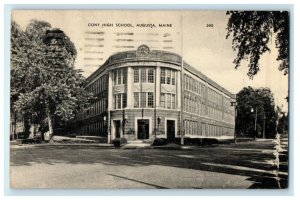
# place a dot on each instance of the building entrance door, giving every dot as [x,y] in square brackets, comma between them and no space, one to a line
[118,127]
[171,130]
[143,129]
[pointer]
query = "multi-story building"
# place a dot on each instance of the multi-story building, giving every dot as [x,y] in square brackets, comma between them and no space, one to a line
[140,95]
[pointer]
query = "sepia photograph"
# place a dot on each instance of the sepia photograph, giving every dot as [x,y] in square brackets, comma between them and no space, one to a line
[149,99]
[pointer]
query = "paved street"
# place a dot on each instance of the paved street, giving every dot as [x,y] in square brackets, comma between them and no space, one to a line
[242,165]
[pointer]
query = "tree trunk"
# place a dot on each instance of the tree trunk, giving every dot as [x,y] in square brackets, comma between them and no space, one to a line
[26,125]
[50,124]
[15,125]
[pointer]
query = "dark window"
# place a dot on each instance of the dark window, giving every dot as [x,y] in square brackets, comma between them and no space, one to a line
[163,76]
[119,76]
[143,75]
[150,100]
[115,78]
[150,75]
[173,77]
[119,96]
[136,75]
[168,75]
[124,100]
[124,76]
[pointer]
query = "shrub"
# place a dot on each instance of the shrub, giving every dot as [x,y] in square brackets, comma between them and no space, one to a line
[119,141]
[160,142]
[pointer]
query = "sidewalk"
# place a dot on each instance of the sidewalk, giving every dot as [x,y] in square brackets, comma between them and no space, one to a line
[100,145]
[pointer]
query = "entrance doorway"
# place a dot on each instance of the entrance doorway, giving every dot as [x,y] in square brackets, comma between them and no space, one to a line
[117,124]
[143,129]
[171,130]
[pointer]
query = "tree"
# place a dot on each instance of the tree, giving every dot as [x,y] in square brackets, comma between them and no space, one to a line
[256,106]
[283,121]
[51,87]
[251,32]
[20,46]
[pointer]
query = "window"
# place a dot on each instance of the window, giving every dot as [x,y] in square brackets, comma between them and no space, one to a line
[143,99]
[150,100]
[143,75]
[120,101]
[163,76]
[173,77]
[168,75]
[169,101]
[119,77]
[163,100]
[124,100]
[150,75]
[124,75]
[119,96]
[173,101]
[136,99]
[136,75]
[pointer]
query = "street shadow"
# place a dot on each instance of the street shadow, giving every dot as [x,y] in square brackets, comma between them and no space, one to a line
[245,159]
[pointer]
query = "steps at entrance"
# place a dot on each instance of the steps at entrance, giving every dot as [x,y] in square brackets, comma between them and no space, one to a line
[135,144]
[139,142]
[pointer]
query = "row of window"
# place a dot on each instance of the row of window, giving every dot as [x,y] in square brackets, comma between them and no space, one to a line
[143,74]
[99,85]
[228,117]
[227,105]
[95,108]
[96,128]
[217,131]
[143,99]
[214,113]
[120,76]
[214,96]
[120,100]
[194,85]
[193,105]
[167,76]
[167,100]
[195,128]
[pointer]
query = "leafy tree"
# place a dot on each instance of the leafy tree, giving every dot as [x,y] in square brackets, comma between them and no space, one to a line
[51,87]
[20,45]
[252,31]
[283,122]
[256,105]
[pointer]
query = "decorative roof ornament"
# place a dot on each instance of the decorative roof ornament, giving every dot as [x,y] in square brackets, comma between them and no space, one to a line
[143,50]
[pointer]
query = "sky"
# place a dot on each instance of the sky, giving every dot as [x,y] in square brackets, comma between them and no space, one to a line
[199,36]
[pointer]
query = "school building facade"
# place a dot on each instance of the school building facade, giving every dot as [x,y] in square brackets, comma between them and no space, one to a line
[144,94]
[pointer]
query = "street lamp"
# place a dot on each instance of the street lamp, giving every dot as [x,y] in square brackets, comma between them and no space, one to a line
[255,121]
[105,125]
